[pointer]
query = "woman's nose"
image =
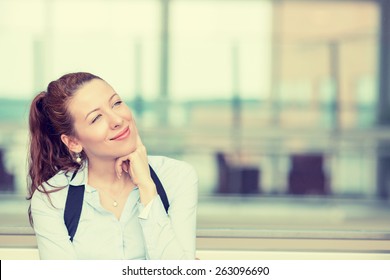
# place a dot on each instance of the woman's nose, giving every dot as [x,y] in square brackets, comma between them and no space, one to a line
[115,121]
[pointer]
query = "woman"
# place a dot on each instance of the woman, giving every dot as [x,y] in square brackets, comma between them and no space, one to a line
[83,134]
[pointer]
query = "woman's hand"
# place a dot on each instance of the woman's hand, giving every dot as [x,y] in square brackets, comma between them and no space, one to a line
[137,166]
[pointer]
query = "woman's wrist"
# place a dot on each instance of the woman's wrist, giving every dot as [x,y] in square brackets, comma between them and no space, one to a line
[147,192]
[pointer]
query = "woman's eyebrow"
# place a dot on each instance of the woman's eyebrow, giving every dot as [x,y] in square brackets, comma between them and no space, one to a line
[94,110]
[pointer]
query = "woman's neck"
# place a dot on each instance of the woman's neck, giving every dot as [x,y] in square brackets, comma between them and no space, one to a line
[102,175]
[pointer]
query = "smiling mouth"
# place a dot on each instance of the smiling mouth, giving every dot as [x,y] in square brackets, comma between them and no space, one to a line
[121,135]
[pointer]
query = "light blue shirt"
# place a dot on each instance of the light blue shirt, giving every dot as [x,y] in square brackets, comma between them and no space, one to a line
[140,233]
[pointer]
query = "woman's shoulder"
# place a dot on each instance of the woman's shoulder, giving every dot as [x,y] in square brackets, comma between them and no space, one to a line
[61,179]
[169,166]
[53,191]
[178,177]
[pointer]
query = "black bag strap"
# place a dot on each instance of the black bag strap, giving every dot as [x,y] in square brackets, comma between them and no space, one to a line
[75,198]
[73,207]
[160,189]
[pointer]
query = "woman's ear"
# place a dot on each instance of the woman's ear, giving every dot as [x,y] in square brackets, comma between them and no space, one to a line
[72,143]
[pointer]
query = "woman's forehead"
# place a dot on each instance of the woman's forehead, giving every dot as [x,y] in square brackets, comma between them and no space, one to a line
[90,96]
[93,89]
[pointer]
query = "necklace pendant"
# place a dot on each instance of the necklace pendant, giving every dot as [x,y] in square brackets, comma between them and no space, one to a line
[115,204]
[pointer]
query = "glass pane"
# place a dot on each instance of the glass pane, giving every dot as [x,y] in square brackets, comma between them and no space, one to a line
[219,47]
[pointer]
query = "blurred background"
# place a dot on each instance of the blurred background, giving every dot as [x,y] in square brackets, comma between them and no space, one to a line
[282,107]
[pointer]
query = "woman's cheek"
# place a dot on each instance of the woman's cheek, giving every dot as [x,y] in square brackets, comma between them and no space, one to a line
[97,133]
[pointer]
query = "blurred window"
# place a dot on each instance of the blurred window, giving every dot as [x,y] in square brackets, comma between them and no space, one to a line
[219,48]
[327,54]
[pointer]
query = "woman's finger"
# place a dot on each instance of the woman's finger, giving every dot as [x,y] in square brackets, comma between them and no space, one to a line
[138,138]
[118,165]
[138,141]
[125,166]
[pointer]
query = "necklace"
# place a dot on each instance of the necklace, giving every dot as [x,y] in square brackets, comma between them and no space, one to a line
[114,200]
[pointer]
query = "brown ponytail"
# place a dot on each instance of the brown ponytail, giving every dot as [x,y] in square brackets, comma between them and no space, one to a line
[49,118]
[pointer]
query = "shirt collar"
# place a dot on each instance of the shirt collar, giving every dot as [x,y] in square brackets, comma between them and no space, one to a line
[81,177]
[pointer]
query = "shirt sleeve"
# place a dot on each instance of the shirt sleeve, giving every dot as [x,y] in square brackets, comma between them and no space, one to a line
[173,235]
[145,210]
[50,230]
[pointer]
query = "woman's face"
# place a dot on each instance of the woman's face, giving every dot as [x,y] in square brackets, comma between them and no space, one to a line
[104,125]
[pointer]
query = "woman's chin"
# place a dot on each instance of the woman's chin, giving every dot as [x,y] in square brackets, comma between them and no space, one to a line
[125,152]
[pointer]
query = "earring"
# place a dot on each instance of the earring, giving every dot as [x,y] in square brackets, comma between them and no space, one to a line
[78,158]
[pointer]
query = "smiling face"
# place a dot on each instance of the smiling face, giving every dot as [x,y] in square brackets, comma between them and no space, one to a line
[104,125]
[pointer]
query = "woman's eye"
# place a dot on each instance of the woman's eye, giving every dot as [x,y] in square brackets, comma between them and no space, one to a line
[119,102]
[96,118]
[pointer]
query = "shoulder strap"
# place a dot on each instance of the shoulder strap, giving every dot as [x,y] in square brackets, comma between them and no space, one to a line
[160,189]
[73,207]
[75,198]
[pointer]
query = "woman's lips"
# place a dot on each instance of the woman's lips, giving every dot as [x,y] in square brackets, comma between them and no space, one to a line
[122,135]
